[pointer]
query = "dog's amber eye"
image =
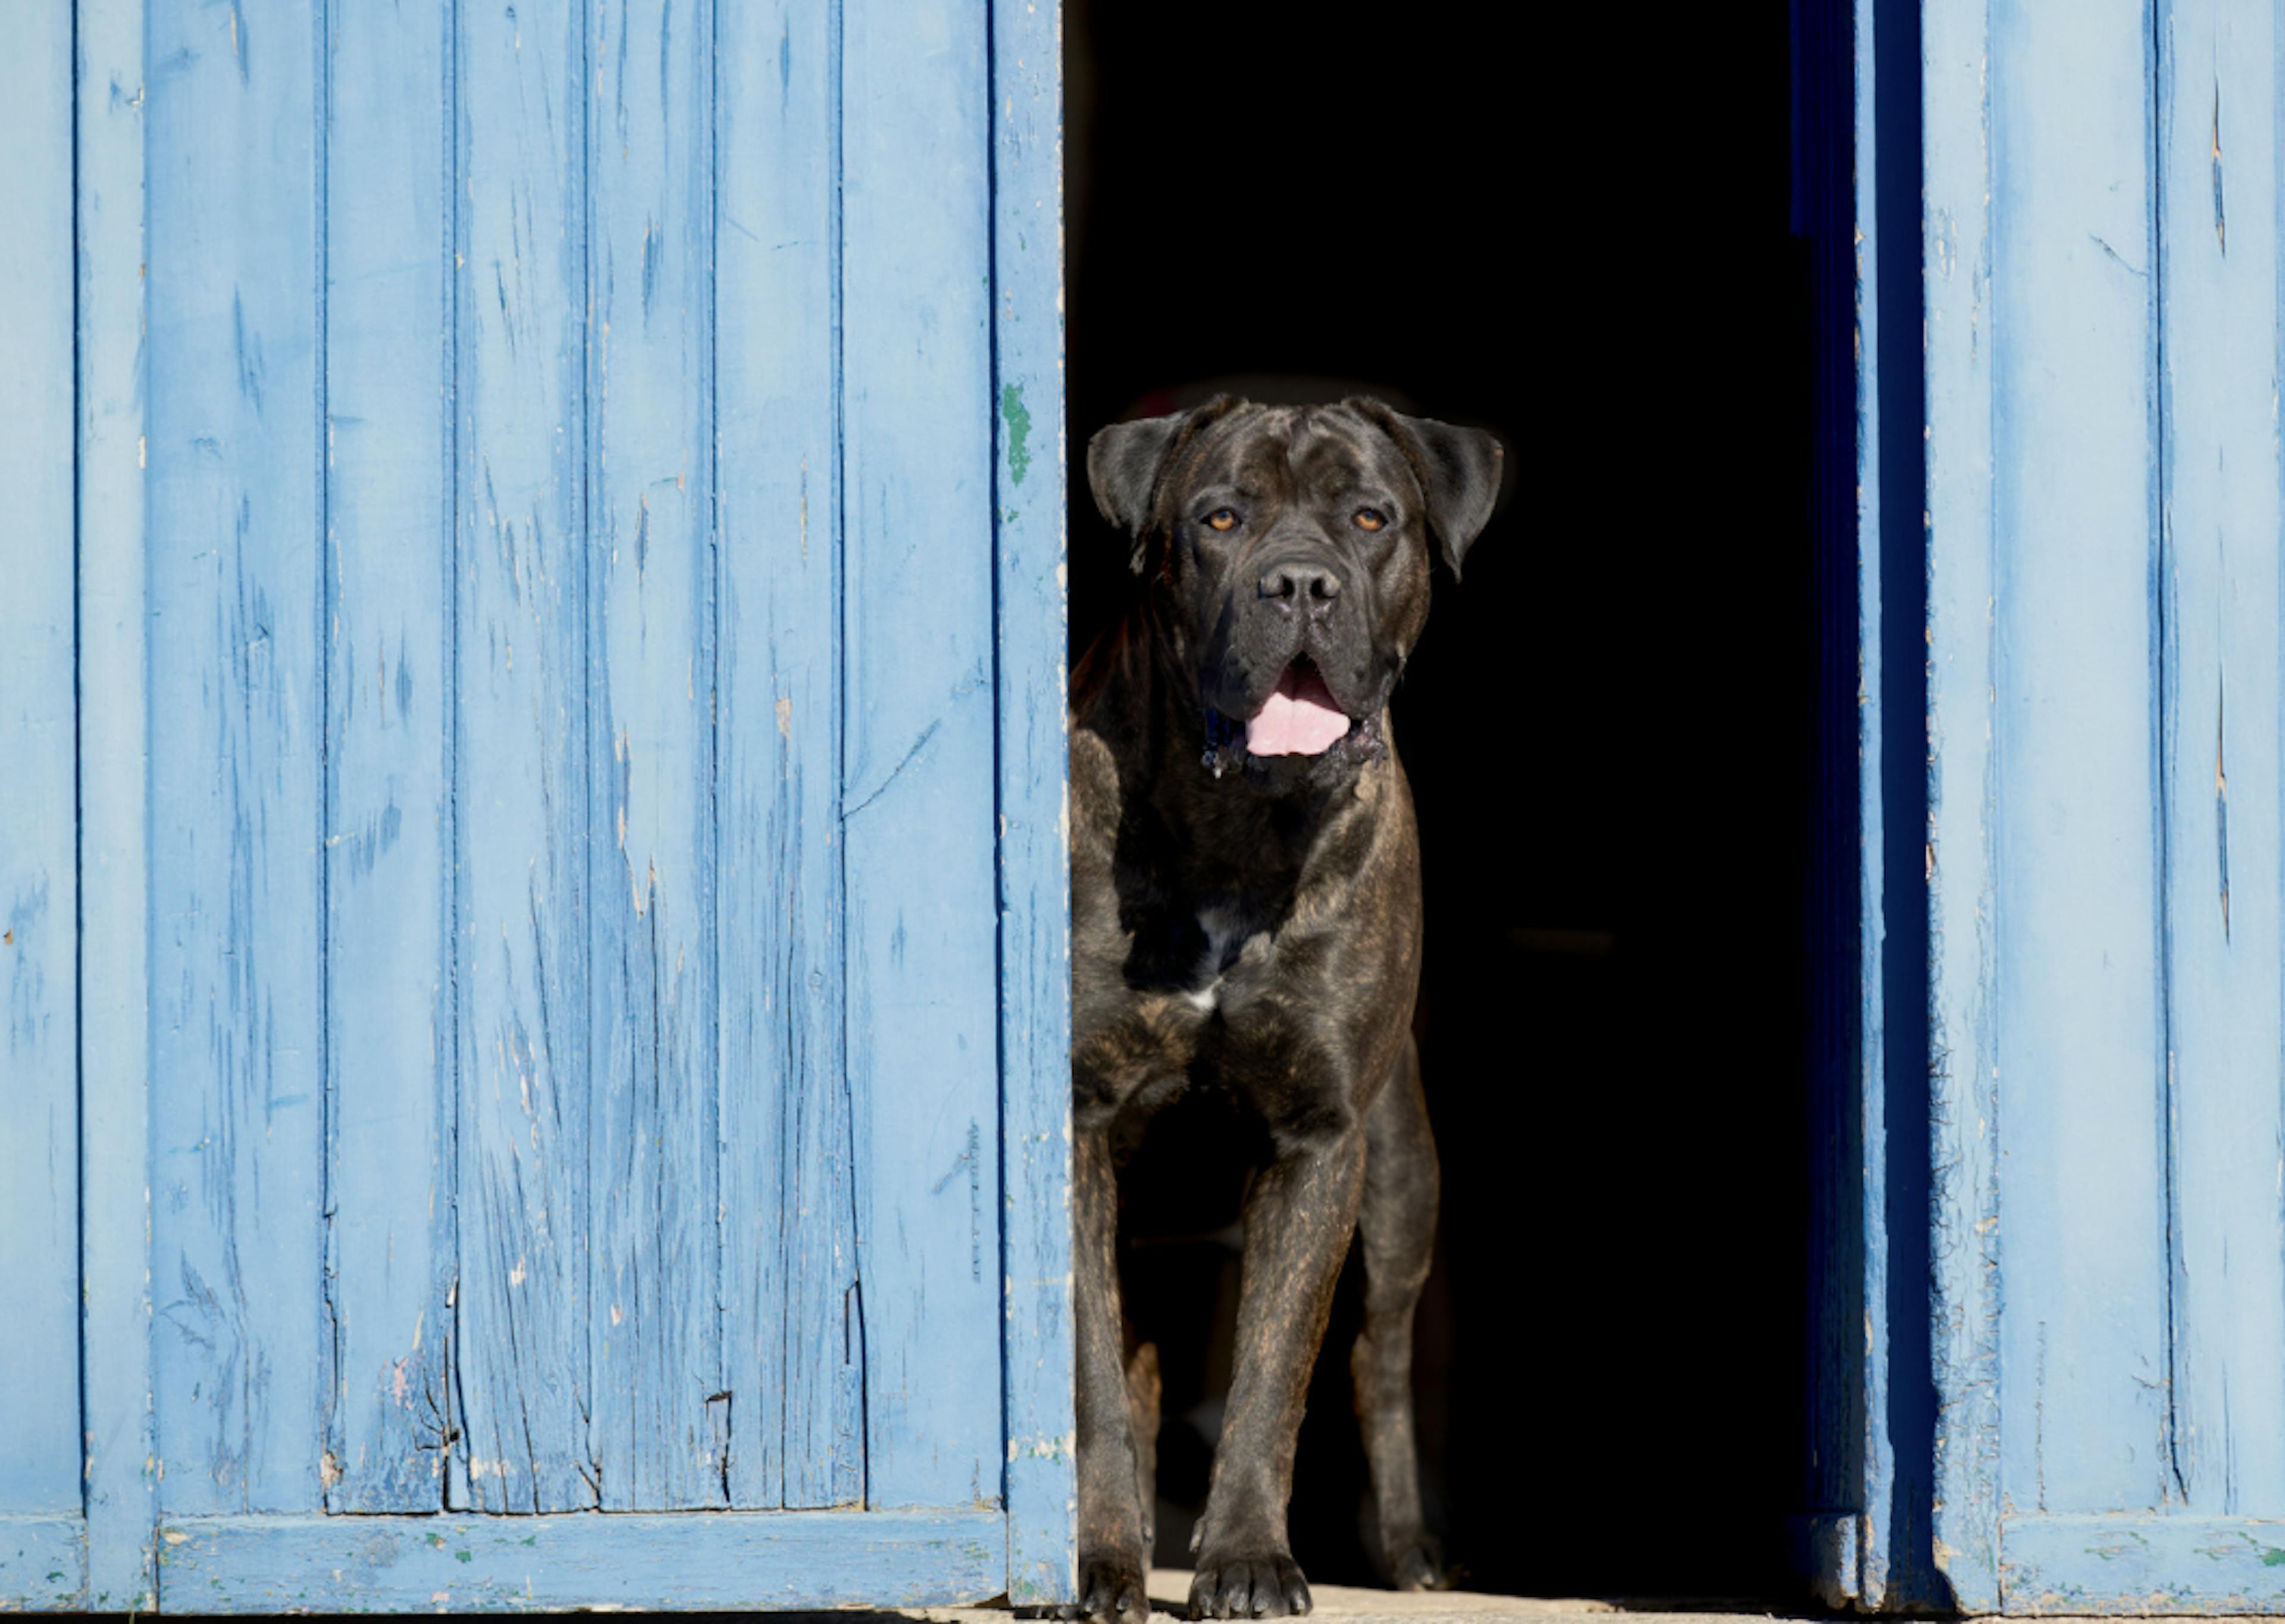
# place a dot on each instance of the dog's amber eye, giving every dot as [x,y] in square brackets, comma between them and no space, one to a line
[1370,518]
[1221,519]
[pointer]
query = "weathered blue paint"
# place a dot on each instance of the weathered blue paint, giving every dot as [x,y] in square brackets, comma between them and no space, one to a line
[1877,623]
[1900,1566]
[917,785]
[659,1434]
[115,809]
[527,1564]
[39,868]
[2183,1563]
[389,810]
[522,633]
[237,1086]
[2083,1050]
[571,769]
[789,1264]
[43,1563]
[2105,995]
[1957,248]
[1034,888]
[2218,594]
[1866,1539]
[2133,450]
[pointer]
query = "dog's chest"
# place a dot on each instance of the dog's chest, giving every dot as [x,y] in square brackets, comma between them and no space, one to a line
[1249,1020]
[1203,953]
[1227,933]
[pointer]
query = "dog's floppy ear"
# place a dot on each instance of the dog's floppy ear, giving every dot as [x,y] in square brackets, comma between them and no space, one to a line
[1458,470]
[1124,462]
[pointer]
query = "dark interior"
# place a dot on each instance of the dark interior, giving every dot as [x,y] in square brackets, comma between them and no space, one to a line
[1568,224]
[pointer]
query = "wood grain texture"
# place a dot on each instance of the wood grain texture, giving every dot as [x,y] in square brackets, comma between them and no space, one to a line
[524,1564]
[574,1044]
[2082,1055]
[1871,1441]
[388,661]
[236,755]
[653,1324]
[39,858]
[523,573]
[42,1559]
[2105,746]
[1040,1487]
[1963,829]
[791,1363]
[114,733]
[2181,1564]
[2219,683]
[917,789]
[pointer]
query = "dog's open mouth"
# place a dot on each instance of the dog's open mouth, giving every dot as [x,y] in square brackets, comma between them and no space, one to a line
[1299,717]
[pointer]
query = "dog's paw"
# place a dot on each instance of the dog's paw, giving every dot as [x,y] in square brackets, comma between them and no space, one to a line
[1110,1591]
[1417,1563]
[1256,1585]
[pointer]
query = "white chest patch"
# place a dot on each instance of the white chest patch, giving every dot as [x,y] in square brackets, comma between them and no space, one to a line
[1225,935]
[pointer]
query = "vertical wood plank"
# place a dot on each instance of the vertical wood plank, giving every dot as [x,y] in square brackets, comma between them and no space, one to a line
[1963,826]
[1873,1443]
[2218,290]
[522,755]
[917,771]
[2082,1051]
[236,746]
[1040,1487]
[789,1361]
[39,835]
[387,661]
[111,101]
[1835,169]
[653,1328]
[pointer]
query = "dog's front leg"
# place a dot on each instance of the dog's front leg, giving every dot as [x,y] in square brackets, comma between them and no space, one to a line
[1298,1218]
[1111,1559]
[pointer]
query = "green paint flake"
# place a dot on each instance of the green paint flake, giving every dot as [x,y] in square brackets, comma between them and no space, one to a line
[1019,431]
[464,1555]
[2273,1556]
[530,1539]
[436,1539]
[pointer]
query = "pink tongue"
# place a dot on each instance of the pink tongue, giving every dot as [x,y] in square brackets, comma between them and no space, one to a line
[1301,718]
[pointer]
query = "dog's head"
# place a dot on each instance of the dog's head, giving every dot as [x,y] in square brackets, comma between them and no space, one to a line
[1287,549]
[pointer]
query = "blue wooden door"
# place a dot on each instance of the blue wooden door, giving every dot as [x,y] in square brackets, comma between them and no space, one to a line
[545,703]
[2072,1396]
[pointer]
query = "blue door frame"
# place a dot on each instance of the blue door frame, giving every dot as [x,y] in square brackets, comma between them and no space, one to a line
[2050,1102]
[1870,1403]
[465,456]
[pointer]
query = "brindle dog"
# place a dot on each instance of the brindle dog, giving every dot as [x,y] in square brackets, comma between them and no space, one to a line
[1245,918]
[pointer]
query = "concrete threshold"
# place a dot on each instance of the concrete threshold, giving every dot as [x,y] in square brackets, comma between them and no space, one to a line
[1170,1589]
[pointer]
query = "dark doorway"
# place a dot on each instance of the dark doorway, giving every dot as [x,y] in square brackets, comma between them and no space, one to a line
[1569,225]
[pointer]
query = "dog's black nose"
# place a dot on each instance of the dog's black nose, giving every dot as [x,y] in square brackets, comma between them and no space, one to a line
[1299,583]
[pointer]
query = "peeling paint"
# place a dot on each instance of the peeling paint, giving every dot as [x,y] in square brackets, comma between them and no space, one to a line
[1019,431]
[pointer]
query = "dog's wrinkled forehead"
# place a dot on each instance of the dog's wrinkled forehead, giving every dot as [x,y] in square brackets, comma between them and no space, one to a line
[1144,471]
[1288,453]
